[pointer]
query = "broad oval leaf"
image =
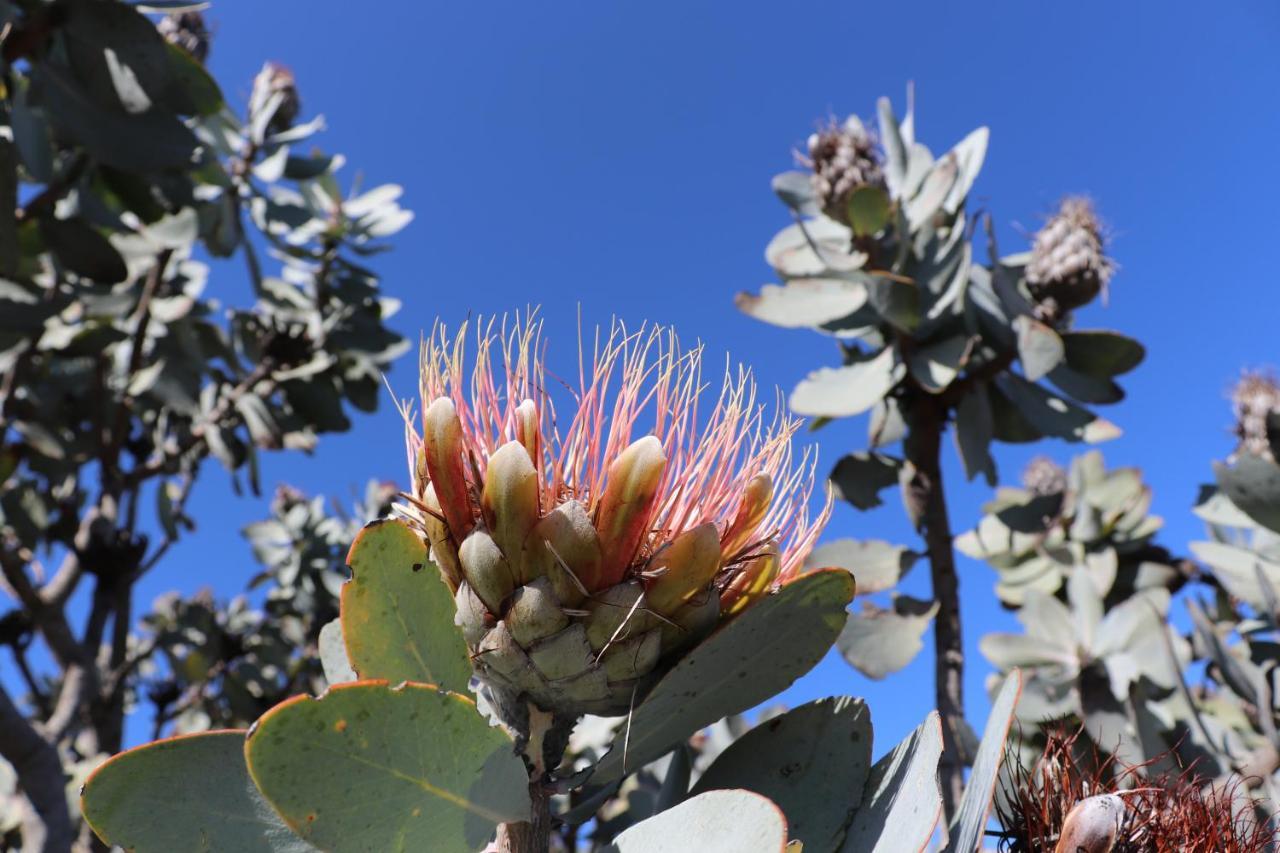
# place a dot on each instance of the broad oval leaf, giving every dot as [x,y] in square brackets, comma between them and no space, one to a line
[371,767]
[876,565]
[397,612]
[816,246]
[970,822]
[751,658]
[190,792]
[1052,415]
[804,302]
[811,762]
[714,822]
[796,191]
[1253,485]
[837,392]
[879,642]
[1039,348]
[333,654]
[1101,353]
[937,365]
[1239,571]
[901,804]
[860,477]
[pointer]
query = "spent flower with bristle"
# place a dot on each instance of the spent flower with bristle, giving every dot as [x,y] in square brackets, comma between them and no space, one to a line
[187,30]
[585,550]
[1255,401]
[1043,476]
[843,158]
[1069,266]
[1070,801]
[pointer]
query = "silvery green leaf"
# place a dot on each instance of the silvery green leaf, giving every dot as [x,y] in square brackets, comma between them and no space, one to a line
[815,247]
[1007,651]
[936,365]
[969,154]
[970,821]
[796,191]
[902,803]
[876,565]
[1236,569]
[886,425]
[933,191]
[973,434]
[1052,415]
[1039,348]
[1253,484]
[851,389]
[895,149]
[804,302]
[860,477]
[878,642]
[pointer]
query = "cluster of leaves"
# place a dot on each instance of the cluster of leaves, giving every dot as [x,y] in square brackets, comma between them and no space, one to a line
[1100,649]
[222,665]
[125,179]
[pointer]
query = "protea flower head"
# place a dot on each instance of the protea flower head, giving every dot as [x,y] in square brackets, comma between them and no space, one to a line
[590,538]
[188,31]
[1069,265]
[1043,476]
[843,158]
[1255,401]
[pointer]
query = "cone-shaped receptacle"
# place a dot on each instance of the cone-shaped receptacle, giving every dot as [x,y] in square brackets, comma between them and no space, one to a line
[691,623]
[562,655]
[486,570]
[564,542]
[535,613]
[617,613]
[752,583]
[471,615]
[622,518]
[443,551]
[442,441]
[682,569]
[755,504]
[632,658]
[510,502]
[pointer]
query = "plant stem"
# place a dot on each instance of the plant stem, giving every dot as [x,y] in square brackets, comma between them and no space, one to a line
[542,738]
[927,503]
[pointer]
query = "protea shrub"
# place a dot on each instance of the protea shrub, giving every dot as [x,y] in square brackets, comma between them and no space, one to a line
[589,541]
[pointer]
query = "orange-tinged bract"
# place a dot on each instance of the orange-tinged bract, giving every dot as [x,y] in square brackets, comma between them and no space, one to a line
[585,547]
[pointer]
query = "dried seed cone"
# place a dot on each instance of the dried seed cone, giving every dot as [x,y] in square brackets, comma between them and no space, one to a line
[843,158]
[1069,266]
[1255,401]
[586,562]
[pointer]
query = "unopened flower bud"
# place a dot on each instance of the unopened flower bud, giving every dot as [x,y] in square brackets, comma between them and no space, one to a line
[510,503]
[1068,265]
[751,583]
[627,504]
[1043,476]
[682,569]
[1255,401]
[187,30]
[275,89]
[843,158]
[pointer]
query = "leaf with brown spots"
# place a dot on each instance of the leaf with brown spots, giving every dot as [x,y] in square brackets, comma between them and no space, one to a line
[397,612]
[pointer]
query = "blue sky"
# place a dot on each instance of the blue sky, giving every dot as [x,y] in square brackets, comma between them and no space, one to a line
[617,156]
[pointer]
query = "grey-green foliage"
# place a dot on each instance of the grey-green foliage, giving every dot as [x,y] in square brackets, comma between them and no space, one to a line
[221,665]
[933,327]
[130,190]
[1101,647]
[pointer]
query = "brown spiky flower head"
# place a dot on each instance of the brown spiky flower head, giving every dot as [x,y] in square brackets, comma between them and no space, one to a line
[594,529]
[1255,401]
[843,158]
[1069,266]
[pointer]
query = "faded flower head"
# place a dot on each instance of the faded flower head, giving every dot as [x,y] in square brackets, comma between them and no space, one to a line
[187,30]
[1255,400]
[1069,265]
[843,158]
[585,544]
[275,90]
[1043,476]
